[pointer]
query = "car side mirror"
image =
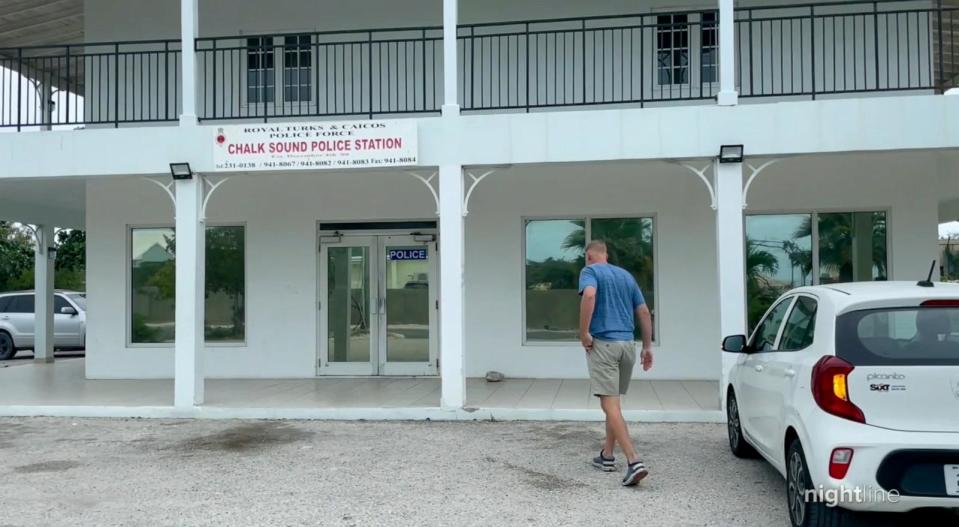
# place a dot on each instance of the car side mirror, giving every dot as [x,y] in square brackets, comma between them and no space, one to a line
[735,344]
[67,310]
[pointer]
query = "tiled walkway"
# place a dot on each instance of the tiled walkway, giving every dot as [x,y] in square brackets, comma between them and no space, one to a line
[63,384]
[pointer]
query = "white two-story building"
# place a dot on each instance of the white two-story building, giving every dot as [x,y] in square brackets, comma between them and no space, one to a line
[358,209]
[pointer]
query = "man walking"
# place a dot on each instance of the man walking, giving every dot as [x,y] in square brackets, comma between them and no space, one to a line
[610,299]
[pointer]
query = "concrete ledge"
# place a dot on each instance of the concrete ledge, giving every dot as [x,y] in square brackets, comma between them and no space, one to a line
[357,414]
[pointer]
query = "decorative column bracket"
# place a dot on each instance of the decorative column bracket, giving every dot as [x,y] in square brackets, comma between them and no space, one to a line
[701,173]
[428,181]
[755,171]
[38,238]
[209,193]
[206,182]
[472,187]
[168,188]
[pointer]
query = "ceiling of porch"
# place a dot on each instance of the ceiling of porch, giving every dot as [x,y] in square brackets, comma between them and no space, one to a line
[25,23]
[60,201]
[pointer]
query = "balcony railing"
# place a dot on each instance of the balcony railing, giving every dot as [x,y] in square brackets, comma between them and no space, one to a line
[90,84]
[847,47]
[337,73]
[807,50]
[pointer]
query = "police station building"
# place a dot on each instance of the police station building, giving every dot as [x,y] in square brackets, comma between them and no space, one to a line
[358,209]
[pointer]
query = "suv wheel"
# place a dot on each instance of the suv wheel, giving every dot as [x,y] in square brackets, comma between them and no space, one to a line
[802,511]
[734,429]
[7,349]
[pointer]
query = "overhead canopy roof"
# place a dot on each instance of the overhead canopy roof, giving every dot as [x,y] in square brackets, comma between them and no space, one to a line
[26,23]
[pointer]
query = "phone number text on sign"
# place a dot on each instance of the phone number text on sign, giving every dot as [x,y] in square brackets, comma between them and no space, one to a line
[375,144]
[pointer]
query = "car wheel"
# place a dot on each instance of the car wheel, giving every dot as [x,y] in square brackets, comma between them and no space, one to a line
[734,429]
[7,349]
[804,512]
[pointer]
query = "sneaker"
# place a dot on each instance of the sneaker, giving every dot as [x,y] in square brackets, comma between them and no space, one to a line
[606,464]
[635,472]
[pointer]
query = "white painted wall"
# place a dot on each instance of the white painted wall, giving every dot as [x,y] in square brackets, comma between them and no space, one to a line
[687,317]
[281,212]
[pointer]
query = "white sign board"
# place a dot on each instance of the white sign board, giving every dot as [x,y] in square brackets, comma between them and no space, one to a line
[315,146]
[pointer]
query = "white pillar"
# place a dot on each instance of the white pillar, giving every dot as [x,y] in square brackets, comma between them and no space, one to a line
[731,258]
[451,104]
[727,55]
[190,267]
[189,19]
[452,320]
[43,289]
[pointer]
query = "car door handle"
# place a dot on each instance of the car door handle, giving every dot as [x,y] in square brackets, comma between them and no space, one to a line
[790,372]
[758,367]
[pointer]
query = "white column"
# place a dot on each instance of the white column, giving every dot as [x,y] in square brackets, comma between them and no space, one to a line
[43,288]
[190,267]
[727,55]
[451,104]
[731,258]
[189,18]
[452,320]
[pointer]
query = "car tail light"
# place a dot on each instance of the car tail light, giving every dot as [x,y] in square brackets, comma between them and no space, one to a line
[839,462]
[830,388]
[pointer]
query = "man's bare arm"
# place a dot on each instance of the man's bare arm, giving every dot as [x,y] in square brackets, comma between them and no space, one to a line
[586,307]
[646,327]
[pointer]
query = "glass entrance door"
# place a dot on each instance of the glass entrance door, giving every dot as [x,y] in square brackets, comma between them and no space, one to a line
[378,309]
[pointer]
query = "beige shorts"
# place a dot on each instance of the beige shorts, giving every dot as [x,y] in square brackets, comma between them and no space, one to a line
[611,366]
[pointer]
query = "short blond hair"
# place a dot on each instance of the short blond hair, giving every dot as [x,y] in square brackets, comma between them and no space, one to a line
[596,246]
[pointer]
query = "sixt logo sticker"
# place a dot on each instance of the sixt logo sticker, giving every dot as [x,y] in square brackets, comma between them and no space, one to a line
[879,387]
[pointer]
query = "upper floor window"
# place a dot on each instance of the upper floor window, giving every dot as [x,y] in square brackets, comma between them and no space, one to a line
[297,68]
[672,49]
[260,72]
[709,48]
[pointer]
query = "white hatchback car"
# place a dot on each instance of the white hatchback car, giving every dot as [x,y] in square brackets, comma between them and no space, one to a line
[17,321]
[851,391]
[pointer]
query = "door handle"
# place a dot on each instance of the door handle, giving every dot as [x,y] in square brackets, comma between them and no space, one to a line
[790,372]
[758,367]
[381,305]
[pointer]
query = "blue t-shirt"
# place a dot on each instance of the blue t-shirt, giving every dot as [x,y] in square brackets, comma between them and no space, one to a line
[617,297]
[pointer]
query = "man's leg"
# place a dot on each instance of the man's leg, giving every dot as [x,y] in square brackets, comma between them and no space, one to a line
[616,426]
[610,443]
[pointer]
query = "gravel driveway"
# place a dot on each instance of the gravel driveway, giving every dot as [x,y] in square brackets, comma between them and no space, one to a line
[147,472]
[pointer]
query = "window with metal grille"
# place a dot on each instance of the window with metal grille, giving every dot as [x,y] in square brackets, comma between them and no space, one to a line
[672,48]
[297,68]
[709,48]
[260,72]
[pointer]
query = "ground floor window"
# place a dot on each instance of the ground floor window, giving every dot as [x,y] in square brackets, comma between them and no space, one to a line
[152,291]
[784,251]
[554,256]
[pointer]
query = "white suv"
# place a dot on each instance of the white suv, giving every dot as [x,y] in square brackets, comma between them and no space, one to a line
[851,391]
[17,321]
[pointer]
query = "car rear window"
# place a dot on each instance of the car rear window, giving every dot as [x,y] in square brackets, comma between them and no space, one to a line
[920,336]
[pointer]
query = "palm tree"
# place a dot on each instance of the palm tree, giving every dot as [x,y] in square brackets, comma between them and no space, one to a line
[837,242]
[629,242]
[760,292]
